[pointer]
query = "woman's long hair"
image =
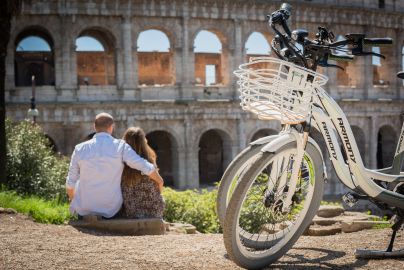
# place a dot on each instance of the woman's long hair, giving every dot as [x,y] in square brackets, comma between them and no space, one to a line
[136,138]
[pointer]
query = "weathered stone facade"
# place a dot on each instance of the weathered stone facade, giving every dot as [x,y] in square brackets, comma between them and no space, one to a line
[180,110]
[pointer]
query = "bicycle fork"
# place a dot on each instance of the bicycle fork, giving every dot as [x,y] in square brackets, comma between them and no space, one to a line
[301,142]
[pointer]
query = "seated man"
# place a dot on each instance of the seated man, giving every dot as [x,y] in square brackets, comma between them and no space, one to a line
[93,183]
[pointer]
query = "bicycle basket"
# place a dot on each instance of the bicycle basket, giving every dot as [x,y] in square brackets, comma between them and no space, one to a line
[276,89]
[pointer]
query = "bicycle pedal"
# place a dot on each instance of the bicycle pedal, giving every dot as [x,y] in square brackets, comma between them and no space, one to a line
[349,199]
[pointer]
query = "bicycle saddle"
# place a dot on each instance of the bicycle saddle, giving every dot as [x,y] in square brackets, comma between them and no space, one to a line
[401,74]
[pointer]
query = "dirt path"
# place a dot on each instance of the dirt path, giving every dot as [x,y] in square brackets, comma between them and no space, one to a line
[28,245]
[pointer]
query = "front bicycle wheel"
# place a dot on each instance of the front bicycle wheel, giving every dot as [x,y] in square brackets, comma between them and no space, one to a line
[261,224]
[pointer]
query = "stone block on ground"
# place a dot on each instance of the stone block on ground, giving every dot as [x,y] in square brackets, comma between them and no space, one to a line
[316,230]
[360,225]
[328,211]
[7,211]
[274,228]
[182,228]
[345,217]
[149,226]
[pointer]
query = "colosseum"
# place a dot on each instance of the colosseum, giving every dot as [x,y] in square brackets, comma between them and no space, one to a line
[186,98]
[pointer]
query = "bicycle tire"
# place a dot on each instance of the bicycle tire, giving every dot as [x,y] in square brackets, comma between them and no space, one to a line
[250,256]
[229,178]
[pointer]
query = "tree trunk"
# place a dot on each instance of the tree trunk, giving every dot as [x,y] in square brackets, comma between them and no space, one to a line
[7,9]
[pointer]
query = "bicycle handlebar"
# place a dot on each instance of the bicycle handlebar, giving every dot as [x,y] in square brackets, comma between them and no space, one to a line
[377,41]
[322,48]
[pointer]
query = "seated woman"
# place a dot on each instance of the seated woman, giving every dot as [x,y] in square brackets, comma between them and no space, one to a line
[141,195]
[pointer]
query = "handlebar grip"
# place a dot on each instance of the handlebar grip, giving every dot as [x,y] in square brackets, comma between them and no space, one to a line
[377,41]
[337,57]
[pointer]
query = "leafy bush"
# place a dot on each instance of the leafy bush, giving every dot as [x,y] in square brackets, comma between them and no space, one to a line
[32,167]
[191,206]
[39,209]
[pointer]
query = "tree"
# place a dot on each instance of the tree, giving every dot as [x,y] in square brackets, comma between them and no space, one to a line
[8,8]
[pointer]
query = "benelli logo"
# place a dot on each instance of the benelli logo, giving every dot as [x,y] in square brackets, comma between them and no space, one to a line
[346,140]
[329,141]
[400,146]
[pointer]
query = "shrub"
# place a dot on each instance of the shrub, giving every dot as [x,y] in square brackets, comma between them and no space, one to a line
[191,206]
[32,166]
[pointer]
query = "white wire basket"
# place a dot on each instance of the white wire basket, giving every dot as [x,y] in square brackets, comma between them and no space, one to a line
[276,89]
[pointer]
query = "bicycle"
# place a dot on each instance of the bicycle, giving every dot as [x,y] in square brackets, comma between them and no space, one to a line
[273,189]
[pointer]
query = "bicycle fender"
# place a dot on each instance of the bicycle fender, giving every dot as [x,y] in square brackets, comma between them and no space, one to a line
[278,142]
[264,140]
[281,140]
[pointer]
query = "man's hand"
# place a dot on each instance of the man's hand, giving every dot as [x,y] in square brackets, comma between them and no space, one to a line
[70,193]
[155,176]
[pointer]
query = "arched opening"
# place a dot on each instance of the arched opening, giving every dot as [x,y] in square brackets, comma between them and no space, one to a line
[214,154]
[360,141]
[208,59]
[34,56]
[381,70]
[386,146]
[257,46]
[95,58]
[164,144]
[263,133]
[155,59]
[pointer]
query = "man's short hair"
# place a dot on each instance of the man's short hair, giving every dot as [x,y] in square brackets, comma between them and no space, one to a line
[103,121]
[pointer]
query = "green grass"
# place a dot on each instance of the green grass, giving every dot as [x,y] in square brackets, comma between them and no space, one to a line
[331,203]
[40,210]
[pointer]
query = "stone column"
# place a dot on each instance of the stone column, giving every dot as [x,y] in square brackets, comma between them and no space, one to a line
[178,72]
[10,74]
[191,156]
[238,54]
[181,181]
[373,142]
[73,65]
[398,62]
[188,61]
[242,141]
[128,70]
[332,86]
[68,54]
[68,85]
[66,73]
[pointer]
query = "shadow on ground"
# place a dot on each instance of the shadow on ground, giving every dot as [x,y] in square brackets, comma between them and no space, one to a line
[299,261]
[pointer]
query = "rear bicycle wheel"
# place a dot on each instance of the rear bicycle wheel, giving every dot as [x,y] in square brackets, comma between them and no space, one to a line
[231,176]
[260,224]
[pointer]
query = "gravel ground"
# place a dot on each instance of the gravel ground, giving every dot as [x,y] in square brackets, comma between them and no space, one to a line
[25,244]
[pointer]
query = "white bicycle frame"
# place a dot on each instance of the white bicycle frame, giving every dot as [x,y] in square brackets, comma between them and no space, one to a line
[331,121]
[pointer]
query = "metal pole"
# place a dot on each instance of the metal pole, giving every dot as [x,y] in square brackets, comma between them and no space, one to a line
[33,105]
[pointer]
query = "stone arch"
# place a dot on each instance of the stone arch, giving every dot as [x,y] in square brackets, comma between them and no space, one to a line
[360,139]
[31,60]
[386,146]
[263,133]
[155,67]
[166,147]
[169,34]
[213,155]
[96,67]
[210,66]
[260,37]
